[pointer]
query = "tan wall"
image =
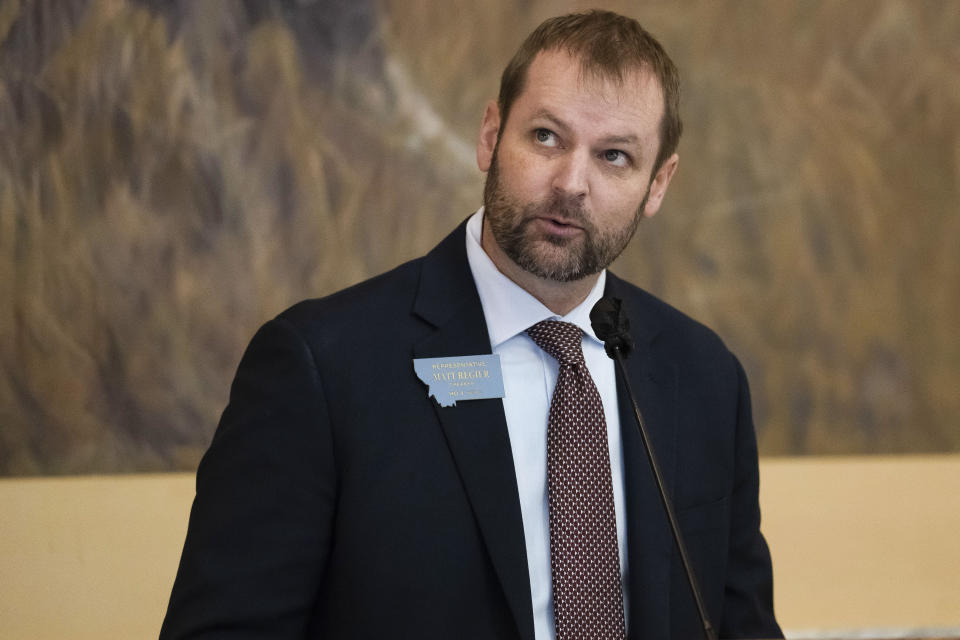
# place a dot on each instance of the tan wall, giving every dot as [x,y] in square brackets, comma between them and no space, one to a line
[867,542]
[857,543]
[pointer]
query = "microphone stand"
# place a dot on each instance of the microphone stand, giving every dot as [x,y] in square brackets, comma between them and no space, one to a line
[708,630]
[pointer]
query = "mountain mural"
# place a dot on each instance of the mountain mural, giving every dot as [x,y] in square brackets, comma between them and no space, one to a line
[175,173]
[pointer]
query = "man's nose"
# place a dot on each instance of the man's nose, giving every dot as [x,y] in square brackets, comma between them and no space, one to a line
[572,174]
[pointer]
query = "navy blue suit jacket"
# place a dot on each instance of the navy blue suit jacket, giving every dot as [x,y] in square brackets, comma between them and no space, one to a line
[338,501]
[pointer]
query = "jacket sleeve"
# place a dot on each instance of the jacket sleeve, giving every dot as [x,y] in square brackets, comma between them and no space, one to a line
[260,527]
[748,592]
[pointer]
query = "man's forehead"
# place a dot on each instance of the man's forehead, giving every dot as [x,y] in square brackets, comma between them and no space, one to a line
[557,80]
[634,83]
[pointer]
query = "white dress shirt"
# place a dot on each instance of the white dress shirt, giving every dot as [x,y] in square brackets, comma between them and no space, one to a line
[529,376]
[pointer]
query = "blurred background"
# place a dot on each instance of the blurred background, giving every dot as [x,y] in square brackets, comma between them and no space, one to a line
[175,173]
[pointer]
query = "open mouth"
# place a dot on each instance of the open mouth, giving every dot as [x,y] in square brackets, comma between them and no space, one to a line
[559,226]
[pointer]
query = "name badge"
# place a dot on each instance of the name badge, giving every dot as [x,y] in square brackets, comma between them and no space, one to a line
[460,378]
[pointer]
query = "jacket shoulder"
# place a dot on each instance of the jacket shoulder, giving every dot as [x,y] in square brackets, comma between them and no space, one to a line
[361,305]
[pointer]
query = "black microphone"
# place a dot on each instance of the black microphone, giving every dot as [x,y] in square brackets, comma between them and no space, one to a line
[611,324]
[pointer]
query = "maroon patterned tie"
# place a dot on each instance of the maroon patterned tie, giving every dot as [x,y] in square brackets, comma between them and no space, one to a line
[584,558]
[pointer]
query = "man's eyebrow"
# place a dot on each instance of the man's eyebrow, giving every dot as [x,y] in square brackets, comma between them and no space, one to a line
[628,139]
[546,115]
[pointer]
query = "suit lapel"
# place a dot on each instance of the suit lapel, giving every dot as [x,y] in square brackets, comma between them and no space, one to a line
[649,543]
[476,430]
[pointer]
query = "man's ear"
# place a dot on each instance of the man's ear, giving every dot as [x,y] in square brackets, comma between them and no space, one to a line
[659,184]
[489,131]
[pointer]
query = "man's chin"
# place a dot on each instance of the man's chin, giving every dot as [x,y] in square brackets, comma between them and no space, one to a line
[557,269]
[548,256]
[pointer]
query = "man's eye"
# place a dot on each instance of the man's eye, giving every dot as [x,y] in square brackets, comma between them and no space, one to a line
[546,137]
[616,157]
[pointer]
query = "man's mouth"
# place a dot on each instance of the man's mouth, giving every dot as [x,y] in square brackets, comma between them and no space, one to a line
[559,226]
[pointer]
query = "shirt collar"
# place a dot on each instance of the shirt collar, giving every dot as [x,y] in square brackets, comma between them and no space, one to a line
[509,309]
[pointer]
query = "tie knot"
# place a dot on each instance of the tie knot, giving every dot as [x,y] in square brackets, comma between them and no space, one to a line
[562,340]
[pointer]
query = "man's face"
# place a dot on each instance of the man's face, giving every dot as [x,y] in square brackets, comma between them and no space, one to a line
[569,173]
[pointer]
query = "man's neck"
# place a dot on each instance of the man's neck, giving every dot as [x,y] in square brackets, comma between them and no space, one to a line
[560,297]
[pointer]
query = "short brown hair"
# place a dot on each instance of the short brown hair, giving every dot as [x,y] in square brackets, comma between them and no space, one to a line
[607,44]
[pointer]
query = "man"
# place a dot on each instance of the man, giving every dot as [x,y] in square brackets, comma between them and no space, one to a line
[339,500]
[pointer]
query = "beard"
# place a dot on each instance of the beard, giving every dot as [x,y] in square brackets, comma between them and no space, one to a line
[557,258]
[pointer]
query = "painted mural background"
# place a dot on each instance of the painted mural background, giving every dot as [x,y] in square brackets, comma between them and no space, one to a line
[173,174]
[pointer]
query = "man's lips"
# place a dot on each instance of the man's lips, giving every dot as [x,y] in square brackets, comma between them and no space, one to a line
[559,226]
